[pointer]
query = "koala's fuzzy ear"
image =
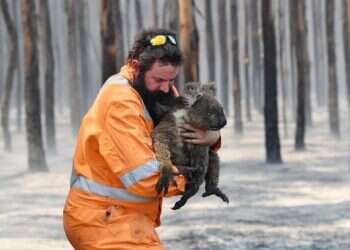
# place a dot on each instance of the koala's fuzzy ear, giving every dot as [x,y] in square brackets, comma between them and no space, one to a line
[208,88]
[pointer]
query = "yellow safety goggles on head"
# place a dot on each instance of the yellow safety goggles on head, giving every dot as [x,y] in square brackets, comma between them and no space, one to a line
[160,40]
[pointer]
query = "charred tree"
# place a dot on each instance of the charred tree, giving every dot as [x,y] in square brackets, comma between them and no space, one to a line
[119,37]
[282,63]
[36,153]
[222,5]
[272,141]
[298,12]
[75,90]
[247,58]
[6,97]
[139,16]
[49,100]
[155,13]
[333,106]
[238,124]
[186,29]
[194,49]
[108,35]
[256,52]
[346,29]
[210,40]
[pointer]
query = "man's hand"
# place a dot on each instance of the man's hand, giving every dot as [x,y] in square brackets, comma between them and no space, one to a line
[198,136]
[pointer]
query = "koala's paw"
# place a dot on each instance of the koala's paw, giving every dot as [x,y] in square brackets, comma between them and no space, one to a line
[217,192]
[164,182]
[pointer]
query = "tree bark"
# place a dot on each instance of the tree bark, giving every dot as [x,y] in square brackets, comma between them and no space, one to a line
[5,100]
[301,54]
[346,32]
[36,153]
[256,53]
[185,18]
[283,67]
[109,45]
[222,5]
[209,30]
[49,79]
[139,16]
[155,13]
[238,124]
[247,59]
[333,106]
[75,90]
[272,141]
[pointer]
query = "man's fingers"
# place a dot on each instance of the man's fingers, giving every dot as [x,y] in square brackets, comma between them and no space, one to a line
[189,135]
[187,127]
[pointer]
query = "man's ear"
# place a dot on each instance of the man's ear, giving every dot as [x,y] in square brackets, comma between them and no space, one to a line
[135,65]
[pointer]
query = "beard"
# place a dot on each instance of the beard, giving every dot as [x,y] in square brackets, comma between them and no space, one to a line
[157,103]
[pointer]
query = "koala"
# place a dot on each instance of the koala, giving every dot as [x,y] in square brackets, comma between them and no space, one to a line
[196,162]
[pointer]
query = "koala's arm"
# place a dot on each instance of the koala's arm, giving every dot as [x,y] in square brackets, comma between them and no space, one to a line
[127,149]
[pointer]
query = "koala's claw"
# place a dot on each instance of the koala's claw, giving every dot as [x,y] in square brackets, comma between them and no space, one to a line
[163,183]
[218,193]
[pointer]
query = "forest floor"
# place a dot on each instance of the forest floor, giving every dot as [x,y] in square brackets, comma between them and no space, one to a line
[303,203]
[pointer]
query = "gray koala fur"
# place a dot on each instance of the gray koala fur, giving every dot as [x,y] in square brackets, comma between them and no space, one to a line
[196,162]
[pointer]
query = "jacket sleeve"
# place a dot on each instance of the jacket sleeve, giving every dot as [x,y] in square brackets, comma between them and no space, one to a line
[127,148]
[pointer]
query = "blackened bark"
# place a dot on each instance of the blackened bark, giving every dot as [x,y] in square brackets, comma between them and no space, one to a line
[256,52]
[222,5]
[298,14]
[272,141]
[49,79]
[247,64]
[36,153]
[75,91]
[210,40]
[333,106]
[194,57]
[109,48]
[139,17]
[238,125]
[119,37]
[6,97]
[346,32]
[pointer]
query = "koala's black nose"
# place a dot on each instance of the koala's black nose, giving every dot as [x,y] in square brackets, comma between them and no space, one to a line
[223,122]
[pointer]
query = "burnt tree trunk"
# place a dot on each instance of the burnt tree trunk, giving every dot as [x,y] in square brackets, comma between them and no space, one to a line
[185,19]
[210,41]
[49,100]
[283,66]
[333,106]
[108,35]
[36,153]
[256,52]
[238,124]
[155,13]
[247,59]
[194,49]
[346,32]
[75,91]
[272,141]
[6,97]
[139,17]
[298,12]
[119,37]
[222,5]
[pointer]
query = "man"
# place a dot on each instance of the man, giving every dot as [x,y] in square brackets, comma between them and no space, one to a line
[113,203]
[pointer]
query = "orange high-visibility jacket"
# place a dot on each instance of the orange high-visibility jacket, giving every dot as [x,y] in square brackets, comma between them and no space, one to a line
[112,202]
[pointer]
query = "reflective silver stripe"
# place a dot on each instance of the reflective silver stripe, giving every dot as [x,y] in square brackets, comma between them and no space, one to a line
[148,169]
[118,79]
[90,186]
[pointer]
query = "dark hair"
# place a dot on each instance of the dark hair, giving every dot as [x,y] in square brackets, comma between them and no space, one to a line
[147,54]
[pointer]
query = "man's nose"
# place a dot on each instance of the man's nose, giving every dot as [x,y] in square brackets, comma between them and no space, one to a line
[164,87]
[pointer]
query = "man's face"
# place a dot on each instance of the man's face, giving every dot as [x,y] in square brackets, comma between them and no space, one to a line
[160,77]
[154,86]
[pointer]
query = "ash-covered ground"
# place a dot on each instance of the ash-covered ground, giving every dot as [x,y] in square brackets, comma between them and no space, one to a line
[301,204]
